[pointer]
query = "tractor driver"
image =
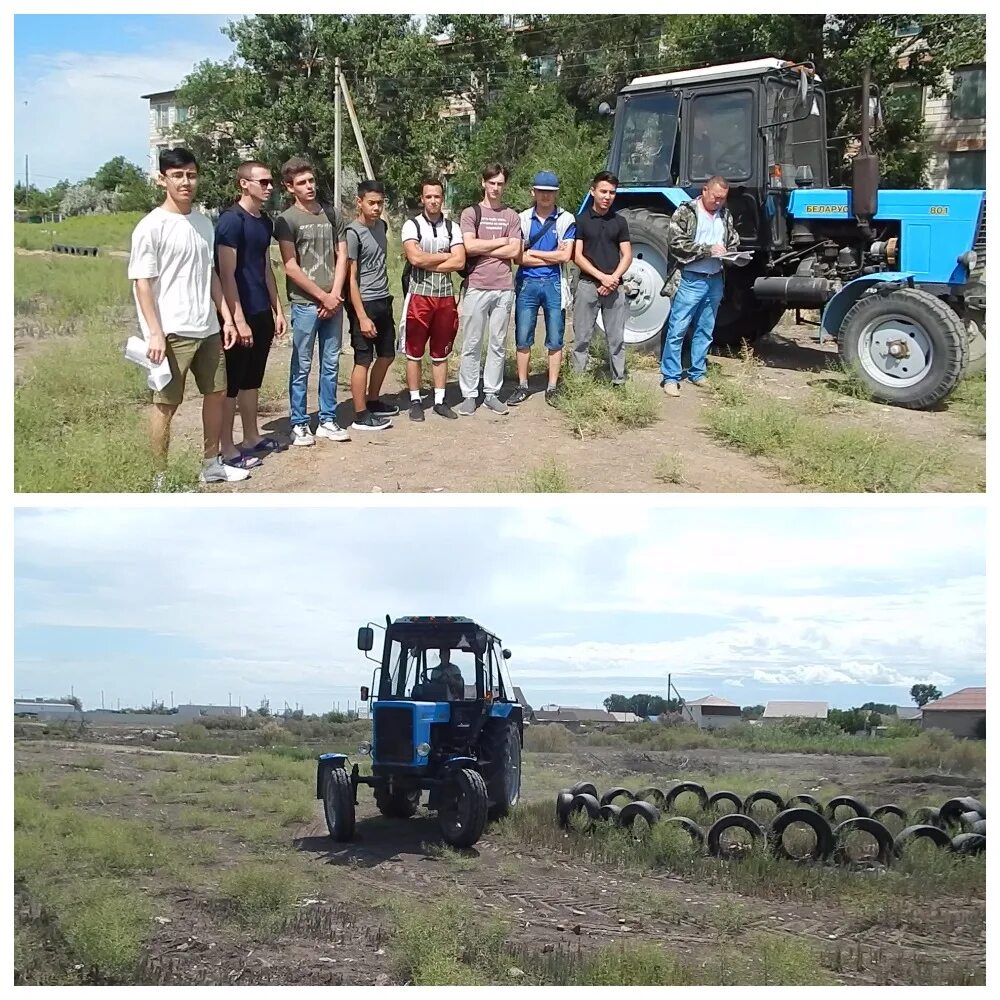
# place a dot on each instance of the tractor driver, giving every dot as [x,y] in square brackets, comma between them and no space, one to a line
[447,673]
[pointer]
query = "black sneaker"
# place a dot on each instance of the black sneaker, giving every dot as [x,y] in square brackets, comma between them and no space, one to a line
[444,410]
[416,410]
[381,409]
[519,395]
[551,395]
[367,421]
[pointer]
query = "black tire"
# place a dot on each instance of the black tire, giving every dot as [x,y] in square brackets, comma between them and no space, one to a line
[652,795]
[613,793]
[967,819]
[889,809]
[939,326]
[978,827]
[726,797]
[952,810]
[463,817]
[921,831]
[807,800]
[686,786]
[609,813]
[503,779]
[762,795]
[928,815]
[584,788]
[729,822]
[584,803]
[819,825]
[860,809]
[883,837]
[396,805]
[338,804]
[968,843]
[563,801]
[690,827]
[635,809]
[649,233]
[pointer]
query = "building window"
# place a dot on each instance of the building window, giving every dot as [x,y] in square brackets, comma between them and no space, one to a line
[161,116]
[908,100]
[182,114]
[967,169]
[968,95]
[909,30]
[543,67]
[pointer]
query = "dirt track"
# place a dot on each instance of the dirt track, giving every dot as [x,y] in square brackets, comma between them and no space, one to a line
[555,902]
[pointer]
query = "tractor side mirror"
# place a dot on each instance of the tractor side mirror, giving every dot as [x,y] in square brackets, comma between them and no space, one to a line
[364,692]
[605,110]
[506,654]
[366,639]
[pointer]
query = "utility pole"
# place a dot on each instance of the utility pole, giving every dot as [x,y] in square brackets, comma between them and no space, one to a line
[358,137]
[336,134]
[25,171]
[102,701]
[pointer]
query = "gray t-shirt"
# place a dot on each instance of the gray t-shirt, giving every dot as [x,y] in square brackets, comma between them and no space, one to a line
[315,246]
[367,245]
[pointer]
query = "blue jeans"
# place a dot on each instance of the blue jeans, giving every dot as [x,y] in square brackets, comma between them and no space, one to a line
[532,294]
[694,308]
[306,325]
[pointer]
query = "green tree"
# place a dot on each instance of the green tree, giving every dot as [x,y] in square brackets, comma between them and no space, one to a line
[616,703]
[748,712]
[117,174]
[850,720]
[72,699]
[923,693]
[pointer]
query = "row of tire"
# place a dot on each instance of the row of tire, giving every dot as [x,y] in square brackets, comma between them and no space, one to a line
[583,803]
[76,251]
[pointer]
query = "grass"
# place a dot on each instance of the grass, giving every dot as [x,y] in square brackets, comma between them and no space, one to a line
[969,402]
[549,477]
[594,407]
[259,895]
[669,471]
[110,232]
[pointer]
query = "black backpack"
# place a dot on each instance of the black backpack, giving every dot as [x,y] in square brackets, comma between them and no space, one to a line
[407,266]
[477,215]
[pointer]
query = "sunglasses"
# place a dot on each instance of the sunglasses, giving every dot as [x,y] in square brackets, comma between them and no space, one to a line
[265,183]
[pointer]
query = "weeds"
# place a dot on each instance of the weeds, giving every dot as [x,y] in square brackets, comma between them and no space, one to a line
[669,471]
[596,408]
[259,895]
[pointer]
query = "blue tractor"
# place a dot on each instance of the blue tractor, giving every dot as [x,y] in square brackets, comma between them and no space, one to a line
[445,720]
[899,276]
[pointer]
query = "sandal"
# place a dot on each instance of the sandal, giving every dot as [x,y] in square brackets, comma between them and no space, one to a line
[242,461]
[264,446]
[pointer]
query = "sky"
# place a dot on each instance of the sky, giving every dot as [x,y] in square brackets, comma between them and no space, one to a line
[77,81]
[843,605]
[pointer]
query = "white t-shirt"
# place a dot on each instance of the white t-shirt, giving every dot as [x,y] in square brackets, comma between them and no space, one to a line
[177,252]
[431,239]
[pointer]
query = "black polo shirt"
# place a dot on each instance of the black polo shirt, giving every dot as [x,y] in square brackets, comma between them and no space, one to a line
[601,236]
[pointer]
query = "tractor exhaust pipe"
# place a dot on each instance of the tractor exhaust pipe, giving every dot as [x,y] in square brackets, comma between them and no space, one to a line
[864,169]
[795,291]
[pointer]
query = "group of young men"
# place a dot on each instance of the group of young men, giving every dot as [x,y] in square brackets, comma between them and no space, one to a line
[207,299]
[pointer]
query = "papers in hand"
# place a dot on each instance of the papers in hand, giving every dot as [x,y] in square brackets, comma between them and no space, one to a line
[157,375]
[740,258]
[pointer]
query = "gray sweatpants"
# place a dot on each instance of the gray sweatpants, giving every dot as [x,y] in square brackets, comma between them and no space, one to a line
[613,310]
[484,311]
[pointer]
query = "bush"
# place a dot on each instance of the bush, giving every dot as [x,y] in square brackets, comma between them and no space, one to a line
[549,737]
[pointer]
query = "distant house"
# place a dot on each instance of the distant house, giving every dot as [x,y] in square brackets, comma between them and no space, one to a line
[712,712]
[576,718]
[785,711]
[910,713]
[626,717]
[165,114]
[29,708]
[962,713]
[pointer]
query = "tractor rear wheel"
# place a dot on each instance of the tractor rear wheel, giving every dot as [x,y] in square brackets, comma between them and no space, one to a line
[464,808]
[338,804]
[648,309]
[503,777]
[396,804]
[908,347]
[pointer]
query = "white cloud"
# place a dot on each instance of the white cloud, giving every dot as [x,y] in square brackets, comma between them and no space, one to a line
[74,111]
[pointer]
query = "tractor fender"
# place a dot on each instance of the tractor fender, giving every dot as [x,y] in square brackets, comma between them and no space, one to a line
[326,762]
[839,306]
[461,762]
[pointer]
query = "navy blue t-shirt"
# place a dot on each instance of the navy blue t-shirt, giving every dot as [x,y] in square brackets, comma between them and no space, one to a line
[250,236]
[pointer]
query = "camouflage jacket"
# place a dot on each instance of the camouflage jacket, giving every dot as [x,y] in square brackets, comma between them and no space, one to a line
[683,249]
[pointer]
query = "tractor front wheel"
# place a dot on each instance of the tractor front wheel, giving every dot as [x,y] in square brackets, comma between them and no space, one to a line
[338,804]
[464,808]
[907,347]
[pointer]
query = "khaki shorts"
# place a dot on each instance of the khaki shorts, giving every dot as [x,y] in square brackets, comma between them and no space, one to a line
[203,357]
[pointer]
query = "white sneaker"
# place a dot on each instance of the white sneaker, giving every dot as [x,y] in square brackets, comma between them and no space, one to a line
[302,437]
[216,471]
[332,431]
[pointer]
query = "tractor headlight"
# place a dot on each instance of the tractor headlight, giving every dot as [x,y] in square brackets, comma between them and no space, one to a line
[423,749]
[364,749]
[970,259]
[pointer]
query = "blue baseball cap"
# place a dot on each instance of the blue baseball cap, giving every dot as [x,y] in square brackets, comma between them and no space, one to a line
[545,180]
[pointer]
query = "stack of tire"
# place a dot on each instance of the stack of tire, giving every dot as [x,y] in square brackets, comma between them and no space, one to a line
[584,806]
[74,250]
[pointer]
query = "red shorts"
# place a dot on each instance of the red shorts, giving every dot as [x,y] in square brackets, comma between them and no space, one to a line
[433,318]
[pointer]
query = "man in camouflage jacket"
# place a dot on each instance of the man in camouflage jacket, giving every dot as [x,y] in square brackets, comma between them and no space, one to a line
[701,231]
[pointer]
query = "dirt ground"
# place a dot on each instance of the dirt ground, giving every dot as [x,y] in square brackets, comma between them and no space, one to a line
[489,452]
[555,902]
